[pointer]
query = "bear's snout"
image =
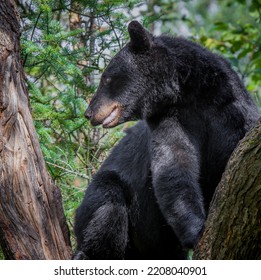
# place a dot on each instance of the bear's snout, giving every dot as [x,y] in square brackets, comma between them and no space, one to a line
[105,112]
[88,113]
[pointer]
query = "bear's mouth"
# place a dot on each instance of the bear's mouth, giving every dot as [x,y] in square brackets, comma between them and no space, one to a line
[112,119]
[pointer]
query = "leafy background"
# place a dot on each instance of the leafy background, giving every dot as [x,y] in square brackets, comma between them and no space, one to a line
[66,44]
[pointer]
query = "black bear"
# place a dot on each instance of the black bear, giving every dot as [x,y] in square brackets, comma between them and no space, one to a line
[150,198]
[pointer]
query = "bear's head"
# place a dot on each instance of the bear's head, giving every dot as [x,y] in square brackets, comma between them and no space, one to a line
[128,81]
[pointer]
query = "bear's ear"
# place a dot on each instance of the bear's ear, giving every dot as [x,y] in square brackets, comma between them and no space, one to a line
[140,38]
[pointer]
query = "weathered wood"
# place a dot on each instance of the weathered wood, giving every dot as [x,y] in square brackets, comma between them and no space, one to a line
[233,227]
[32,222]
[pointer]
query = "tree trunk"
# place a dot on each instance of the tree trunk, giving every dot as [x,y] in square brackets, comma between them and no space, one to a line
[233,227]
[32,222]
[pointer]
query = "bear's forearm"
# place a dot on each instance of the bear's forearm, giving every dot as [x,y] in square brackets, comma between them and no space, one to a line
[181,203]
[175,175]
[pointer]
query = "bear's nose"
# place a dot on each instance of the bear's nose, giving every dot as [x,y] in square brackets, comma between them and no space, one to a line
[88,113]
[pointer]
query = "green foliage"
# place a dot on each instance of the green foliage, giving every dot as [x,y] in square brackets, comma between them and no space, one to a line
[64,48]
[67,44]
[239,41]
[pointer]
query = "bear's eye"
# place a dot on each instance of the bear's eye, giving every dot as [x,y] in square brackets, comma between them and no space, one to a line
[107,81]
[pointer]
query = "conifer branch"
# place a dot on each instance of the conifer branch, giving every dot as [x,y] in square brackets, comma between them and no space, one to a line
[69,171]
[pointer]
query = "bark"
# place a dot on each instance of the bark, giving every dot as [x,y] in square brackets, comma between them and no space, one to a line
[32,222]
[233,227]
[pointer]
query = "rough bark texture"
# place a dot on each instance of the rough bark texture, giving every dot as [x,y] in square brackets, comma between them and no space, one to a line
[32,222]
[233,227]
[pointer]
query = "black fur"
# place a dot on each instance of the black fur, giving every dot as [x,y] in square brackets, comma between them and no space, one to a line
[124,181]
[151,196]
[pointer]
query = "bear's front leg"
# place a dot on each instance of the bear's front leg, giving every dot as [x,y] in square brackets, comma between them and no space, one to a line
[101,222]
[175,172]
